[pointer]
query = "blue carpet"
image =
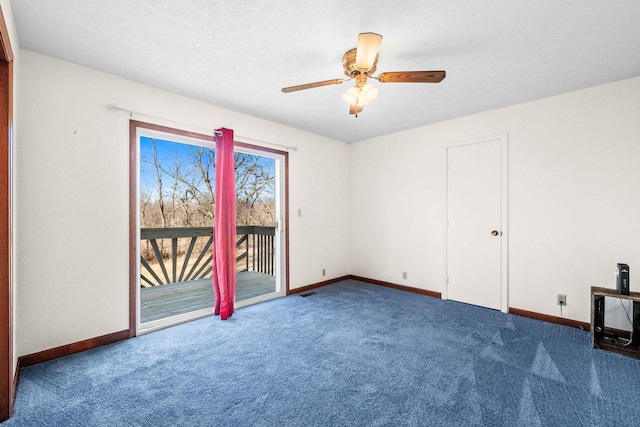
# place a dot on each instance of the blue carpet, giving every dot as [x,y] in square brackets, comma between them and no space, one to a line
[354,354]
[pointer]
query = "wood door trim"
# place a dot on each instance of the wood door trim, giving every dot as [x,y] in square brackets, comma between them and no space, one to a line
[133,230]
[6,53]
[7,383]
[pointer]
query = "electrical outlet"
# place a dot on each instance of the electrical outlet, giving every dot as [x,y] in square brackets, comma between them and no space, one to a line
[562,299]
[404,275]
[324,272]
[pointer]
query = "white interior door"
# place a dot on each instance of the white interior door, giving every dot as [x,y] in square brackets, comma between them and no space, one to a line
[474,231]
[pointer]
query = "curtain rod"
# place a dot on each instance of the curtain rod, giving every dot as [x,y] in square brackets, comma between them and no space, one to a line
[115,108]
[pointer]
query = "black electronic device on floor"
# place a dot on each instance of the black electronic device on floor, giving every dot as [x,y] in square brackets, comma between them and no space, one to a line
[622,282]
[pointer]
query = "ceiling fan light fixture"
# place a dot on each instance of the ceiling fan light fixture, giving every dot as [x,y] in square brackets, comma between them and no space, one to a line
[361,96]
[369,93]
[351,96]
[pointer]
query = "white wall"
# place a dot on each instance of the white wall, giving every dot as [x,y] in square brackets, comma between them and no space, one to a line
[373,208]
[72,197]
[574,197]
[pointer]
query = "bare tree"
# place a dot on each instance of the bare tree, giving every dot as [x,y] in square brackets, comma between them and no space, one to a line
[158,169]
[189,200]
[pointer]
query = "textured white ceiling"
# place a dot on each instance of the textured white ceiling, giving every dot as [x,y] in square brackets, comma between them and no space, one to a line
[239,54]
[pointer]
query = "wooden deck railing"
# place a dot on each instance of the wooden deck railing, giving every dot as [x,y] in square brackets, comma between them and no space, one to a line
[190,259]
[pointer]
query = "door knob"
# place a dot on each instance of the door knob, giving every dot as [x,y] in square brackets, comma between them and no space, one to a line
[495,233]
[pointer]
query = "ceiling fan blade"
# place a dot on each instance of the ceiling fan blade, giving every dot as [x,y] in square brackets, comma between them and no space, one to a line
[368,45]
[312,85]
[412,77]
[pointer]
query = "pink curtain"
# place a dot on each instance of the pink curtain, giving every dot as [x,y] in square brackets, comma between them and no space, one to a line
[224,230]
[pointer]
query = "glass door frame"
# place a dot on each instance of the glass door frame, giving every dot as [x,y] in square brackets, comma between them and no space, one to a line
[281,202]
[138,129]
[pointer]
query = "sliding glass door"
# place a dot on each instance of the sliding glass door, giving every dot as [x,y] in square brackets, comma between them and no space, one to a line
[260,230]
[175,193]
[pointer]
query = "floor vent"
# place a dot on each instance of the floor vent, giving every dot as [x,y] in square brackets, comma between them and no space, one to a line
[307,294]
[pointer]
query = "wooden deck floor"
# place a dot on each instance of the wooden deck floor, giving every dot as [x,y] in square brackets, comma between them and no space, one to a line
[163,301]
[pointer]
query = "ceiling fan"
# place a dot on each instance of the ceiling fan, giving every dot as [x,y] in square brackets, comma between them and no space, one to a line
[359,64]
